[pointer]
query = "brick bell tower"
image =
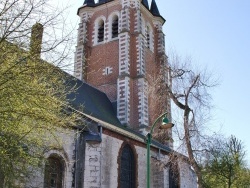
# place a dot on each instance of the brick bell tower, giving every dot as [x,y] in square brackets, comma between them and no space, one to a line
[121,51]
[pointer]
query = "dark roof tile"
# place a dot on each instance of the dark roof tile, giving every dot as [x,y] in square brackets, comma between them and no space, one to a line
[154,9]
[103,1]
[92,101]
[145,3]
[89,2]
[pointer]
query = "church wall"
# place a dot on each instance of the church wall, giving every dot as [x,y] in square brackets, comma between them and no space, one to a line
[100,12]
[103,68]
[159,170]
[153,77]
[66,152]
[128,70]
[135,102]
[187,176]
[111,145]
[102,56]
[101,167]
[92,171]
[102,163]
[166,177]
[110,61]
[142,167]
[101,59]
[157,174]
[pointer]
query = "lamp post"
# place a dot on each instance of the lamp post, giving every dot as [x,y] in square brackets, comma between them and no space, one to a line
[165,125]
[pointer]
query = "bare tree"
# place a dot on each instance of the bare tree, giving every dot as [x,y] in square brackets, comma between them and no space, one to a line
[17,18]
[189,91]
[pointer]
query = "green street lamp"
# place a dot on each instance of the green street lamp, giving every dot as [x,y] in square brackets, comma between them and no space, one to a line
[164,125]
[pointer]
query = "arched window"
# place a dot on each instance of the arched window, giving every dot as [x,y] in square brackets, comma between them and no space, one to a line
[173,176]
[100,31]
[127,168]
[115,26]
[54,170]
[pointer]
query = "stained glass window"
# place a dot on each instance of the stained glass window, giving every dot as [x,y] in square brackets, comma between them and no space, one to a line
[53,177]
[127,168]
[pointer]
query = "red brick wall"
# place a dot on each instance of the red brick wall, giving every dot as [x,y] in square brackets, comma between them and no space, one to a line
[102,55]
[107,55]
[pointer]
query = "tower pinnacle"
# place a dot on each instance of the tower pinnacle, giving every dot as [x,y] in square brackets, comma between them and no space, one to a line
[154,9]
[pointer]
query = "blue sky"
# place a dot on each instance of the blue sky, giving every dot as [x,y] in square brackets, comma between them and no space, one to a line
[216,34]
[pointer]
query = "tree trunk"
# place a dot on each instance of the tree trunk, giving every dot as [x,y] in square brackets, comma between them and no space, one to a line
[189,148]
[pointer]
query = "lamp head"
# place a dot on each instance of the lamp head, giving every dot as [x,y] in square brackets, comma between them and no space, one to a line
[166,124]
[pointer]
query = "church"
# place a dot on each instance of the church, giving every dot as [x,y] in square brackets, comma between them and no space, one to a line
[119,62]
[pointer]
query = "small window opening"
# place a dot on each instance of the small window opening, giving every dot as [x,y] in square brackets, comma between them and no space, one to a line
[148,37]
[107,70]
[115,27]
[101,31]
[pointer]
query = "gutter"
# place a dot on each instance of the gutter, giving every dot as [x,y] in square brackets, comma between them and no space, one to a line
[128,133]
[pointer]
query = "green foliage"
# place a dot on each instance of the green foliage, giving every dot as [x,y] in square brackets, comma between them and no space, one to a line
[225,166]
[33,104]
[33,108]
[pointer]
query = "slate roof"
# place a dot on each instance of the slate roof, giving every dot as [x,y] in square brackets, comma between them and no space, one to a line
[145,3]
[103,1]
[97,106]
[154,9]
[92,101]
[89,2]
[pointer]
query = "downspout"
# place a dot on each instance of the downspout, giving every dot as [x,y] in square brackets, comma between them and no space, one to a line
[100,157]
[80,158]
[159,154]
[76,157]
